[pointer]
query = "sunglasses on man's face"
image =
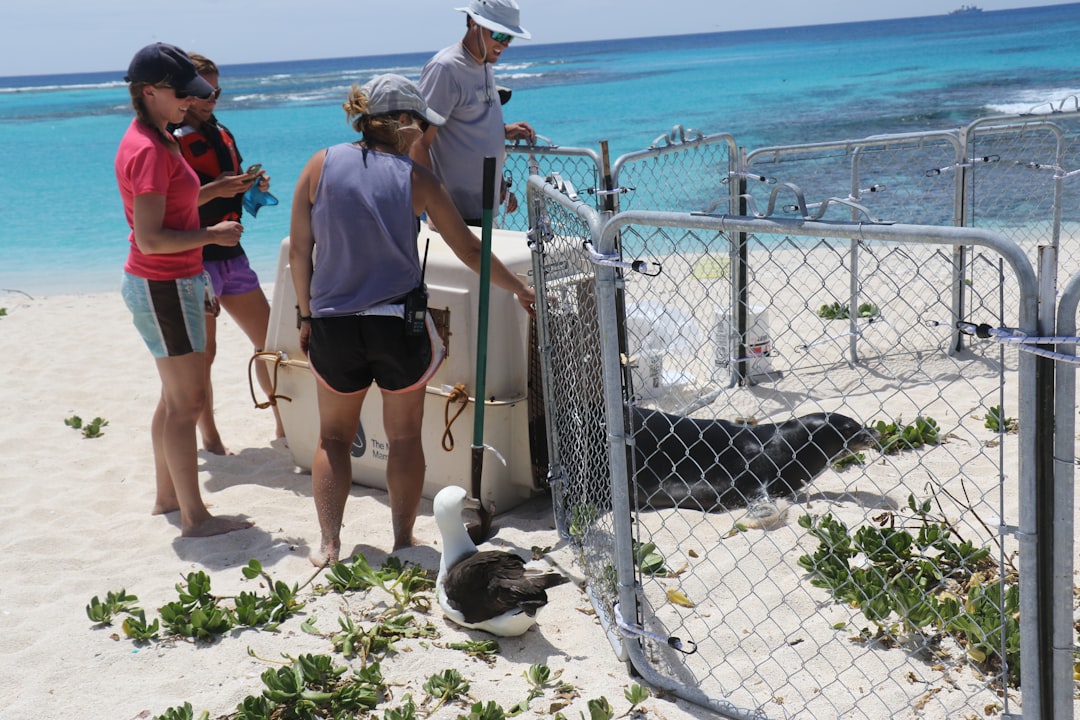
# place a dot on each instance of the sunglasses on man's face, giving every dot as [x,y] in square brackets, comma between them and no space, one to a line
[502,38]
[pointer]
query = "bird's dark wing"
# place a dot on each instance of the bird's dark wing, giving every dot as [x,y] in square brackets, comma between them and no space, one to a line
[490,583]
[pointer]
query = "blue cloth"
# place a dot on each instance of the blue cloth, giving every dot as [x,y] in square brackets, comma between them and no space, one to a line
[255,198]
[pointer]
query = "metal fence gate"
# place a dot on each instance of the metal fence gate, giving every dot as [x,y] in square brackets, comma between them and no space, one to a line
[712,305]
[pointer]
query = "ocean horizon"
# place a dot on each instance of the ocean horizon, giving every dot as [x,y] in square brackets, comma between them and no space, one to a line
[62,220]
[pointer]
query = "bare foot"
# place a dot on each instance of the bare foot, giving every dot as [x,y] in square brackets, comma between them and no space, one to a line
[327,555]
[413,542]
[164,508]
[215,446]
[216,525]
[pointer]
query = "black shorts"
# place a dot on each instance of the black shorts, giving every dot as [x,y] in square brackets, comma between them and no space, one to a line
[348,353]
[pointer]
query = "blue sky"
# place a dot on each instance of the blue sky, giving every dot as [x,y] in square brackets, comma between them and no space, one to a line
[64,36]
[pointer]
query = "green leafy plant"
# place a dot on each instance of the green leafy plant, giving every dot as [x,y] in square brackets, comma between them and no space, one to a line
[836,311]
[895,436]
[480,649]
[444,687]
[583,517]
[996,421]
[182,712]
[379,638]
[406,711]
[91,429]
[922,584]
[136,627]
[479,711]
[600,709]
[847,461]
[311,686]
[539,677]
[408,585]
[102,613]
[635,695]
[649,559]
[197,613]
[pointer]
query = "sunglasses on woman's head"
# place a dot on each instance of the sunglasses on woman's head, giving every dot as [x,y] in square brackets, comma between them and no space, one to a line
[502,38]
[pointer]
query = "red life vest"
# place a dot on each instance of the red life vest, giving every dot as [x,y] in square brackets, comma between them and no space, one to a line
[211,153]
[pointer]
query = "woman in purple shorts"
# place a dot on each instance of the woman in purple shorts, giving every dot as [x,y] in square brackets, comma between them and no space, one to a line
[359,203]
[210,149]
[164,285]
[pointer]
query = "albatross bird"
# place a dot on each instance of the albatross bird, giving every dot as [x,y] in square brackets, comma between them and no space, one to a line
[488,590]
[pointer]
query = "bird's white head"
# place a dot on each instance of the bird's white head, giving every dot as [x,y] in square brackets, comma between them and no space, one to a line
[448,505]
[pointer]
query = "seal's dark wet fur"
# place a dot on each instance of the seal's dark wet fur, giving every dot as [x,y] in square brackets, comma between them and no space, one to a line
[715,464]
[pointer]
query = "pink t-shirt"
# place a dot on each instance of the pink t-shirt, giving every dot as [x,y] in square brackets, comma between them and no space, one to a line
[144,165]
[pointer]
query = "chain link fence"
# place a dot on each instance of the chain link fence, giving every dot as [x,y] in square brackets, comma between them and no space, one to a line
[744,291]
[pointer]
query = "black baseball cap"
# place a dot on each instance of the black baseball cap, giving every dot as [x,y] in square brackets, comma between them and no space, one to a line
[164,63]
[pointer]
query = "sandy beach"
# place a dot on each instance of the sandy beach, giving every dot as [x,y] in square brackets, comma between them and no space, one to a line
[78,525]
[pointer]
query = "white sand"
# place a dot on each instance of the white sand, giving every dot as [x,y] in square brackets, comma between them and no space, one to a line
[77,523]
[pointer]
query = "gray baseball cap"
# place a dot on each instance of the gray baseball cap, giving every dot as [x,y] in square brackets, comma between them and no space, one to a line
[497,16]
[392,93]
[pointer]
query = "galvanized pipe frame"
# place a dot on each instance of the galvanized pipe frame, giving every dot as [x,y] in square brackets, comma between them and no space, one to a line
[856,149]
[1029,415]
[1035,319]
[1064,550]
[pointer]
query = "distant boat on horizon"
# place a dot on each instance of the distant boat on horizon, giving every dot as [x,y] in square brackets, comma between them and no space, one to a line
[965,9]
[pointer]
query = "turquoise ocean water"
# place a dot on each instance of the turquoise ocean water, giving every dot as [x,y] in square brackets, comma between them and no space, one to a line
[62,227]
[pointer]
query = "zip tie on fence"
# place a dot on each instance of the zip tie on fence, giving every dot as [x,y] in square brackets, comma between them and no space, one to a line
[748,176]
[875,188]
[1013,336]
[984,159]
[1059,172]
[613,191]
[614,261]
[637,631]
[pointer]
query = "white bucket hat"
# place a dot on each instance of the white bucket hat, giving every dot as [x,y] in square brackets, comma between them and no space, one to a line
[392,93]
[497,16]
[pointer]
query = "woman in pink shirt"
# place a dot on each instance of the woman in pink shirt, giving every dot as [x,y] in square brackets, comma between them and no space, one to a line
[163,284]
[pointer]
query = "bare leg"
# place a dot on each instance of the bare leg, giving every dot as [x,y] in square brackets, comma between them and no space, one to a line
[403,417]
[331,469]
[252,314]
[183,393]
[166,501]
[211,438]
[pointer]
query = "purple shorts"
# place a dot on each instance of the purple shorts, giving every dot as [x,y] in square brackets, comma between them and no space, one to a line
[231,277]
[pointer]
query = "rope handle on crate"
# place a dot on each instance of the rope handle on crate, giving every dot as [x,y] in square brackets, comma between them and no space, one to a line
[279,359]
[458,394]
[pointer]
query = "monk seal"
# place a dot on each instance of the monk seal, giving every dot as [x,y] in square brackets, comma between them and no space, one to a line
[712,465]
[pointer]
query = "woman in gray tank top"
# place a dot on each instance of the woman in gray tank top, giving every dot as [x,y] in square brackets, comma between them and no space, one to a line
[360,203]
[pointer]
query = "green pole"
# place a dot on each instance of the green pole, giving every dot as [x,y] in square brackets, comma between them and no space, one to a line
[481,348]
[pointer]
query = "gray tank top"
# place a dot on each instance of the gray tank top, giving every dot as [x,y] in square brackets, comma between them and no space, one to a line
[365,231]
